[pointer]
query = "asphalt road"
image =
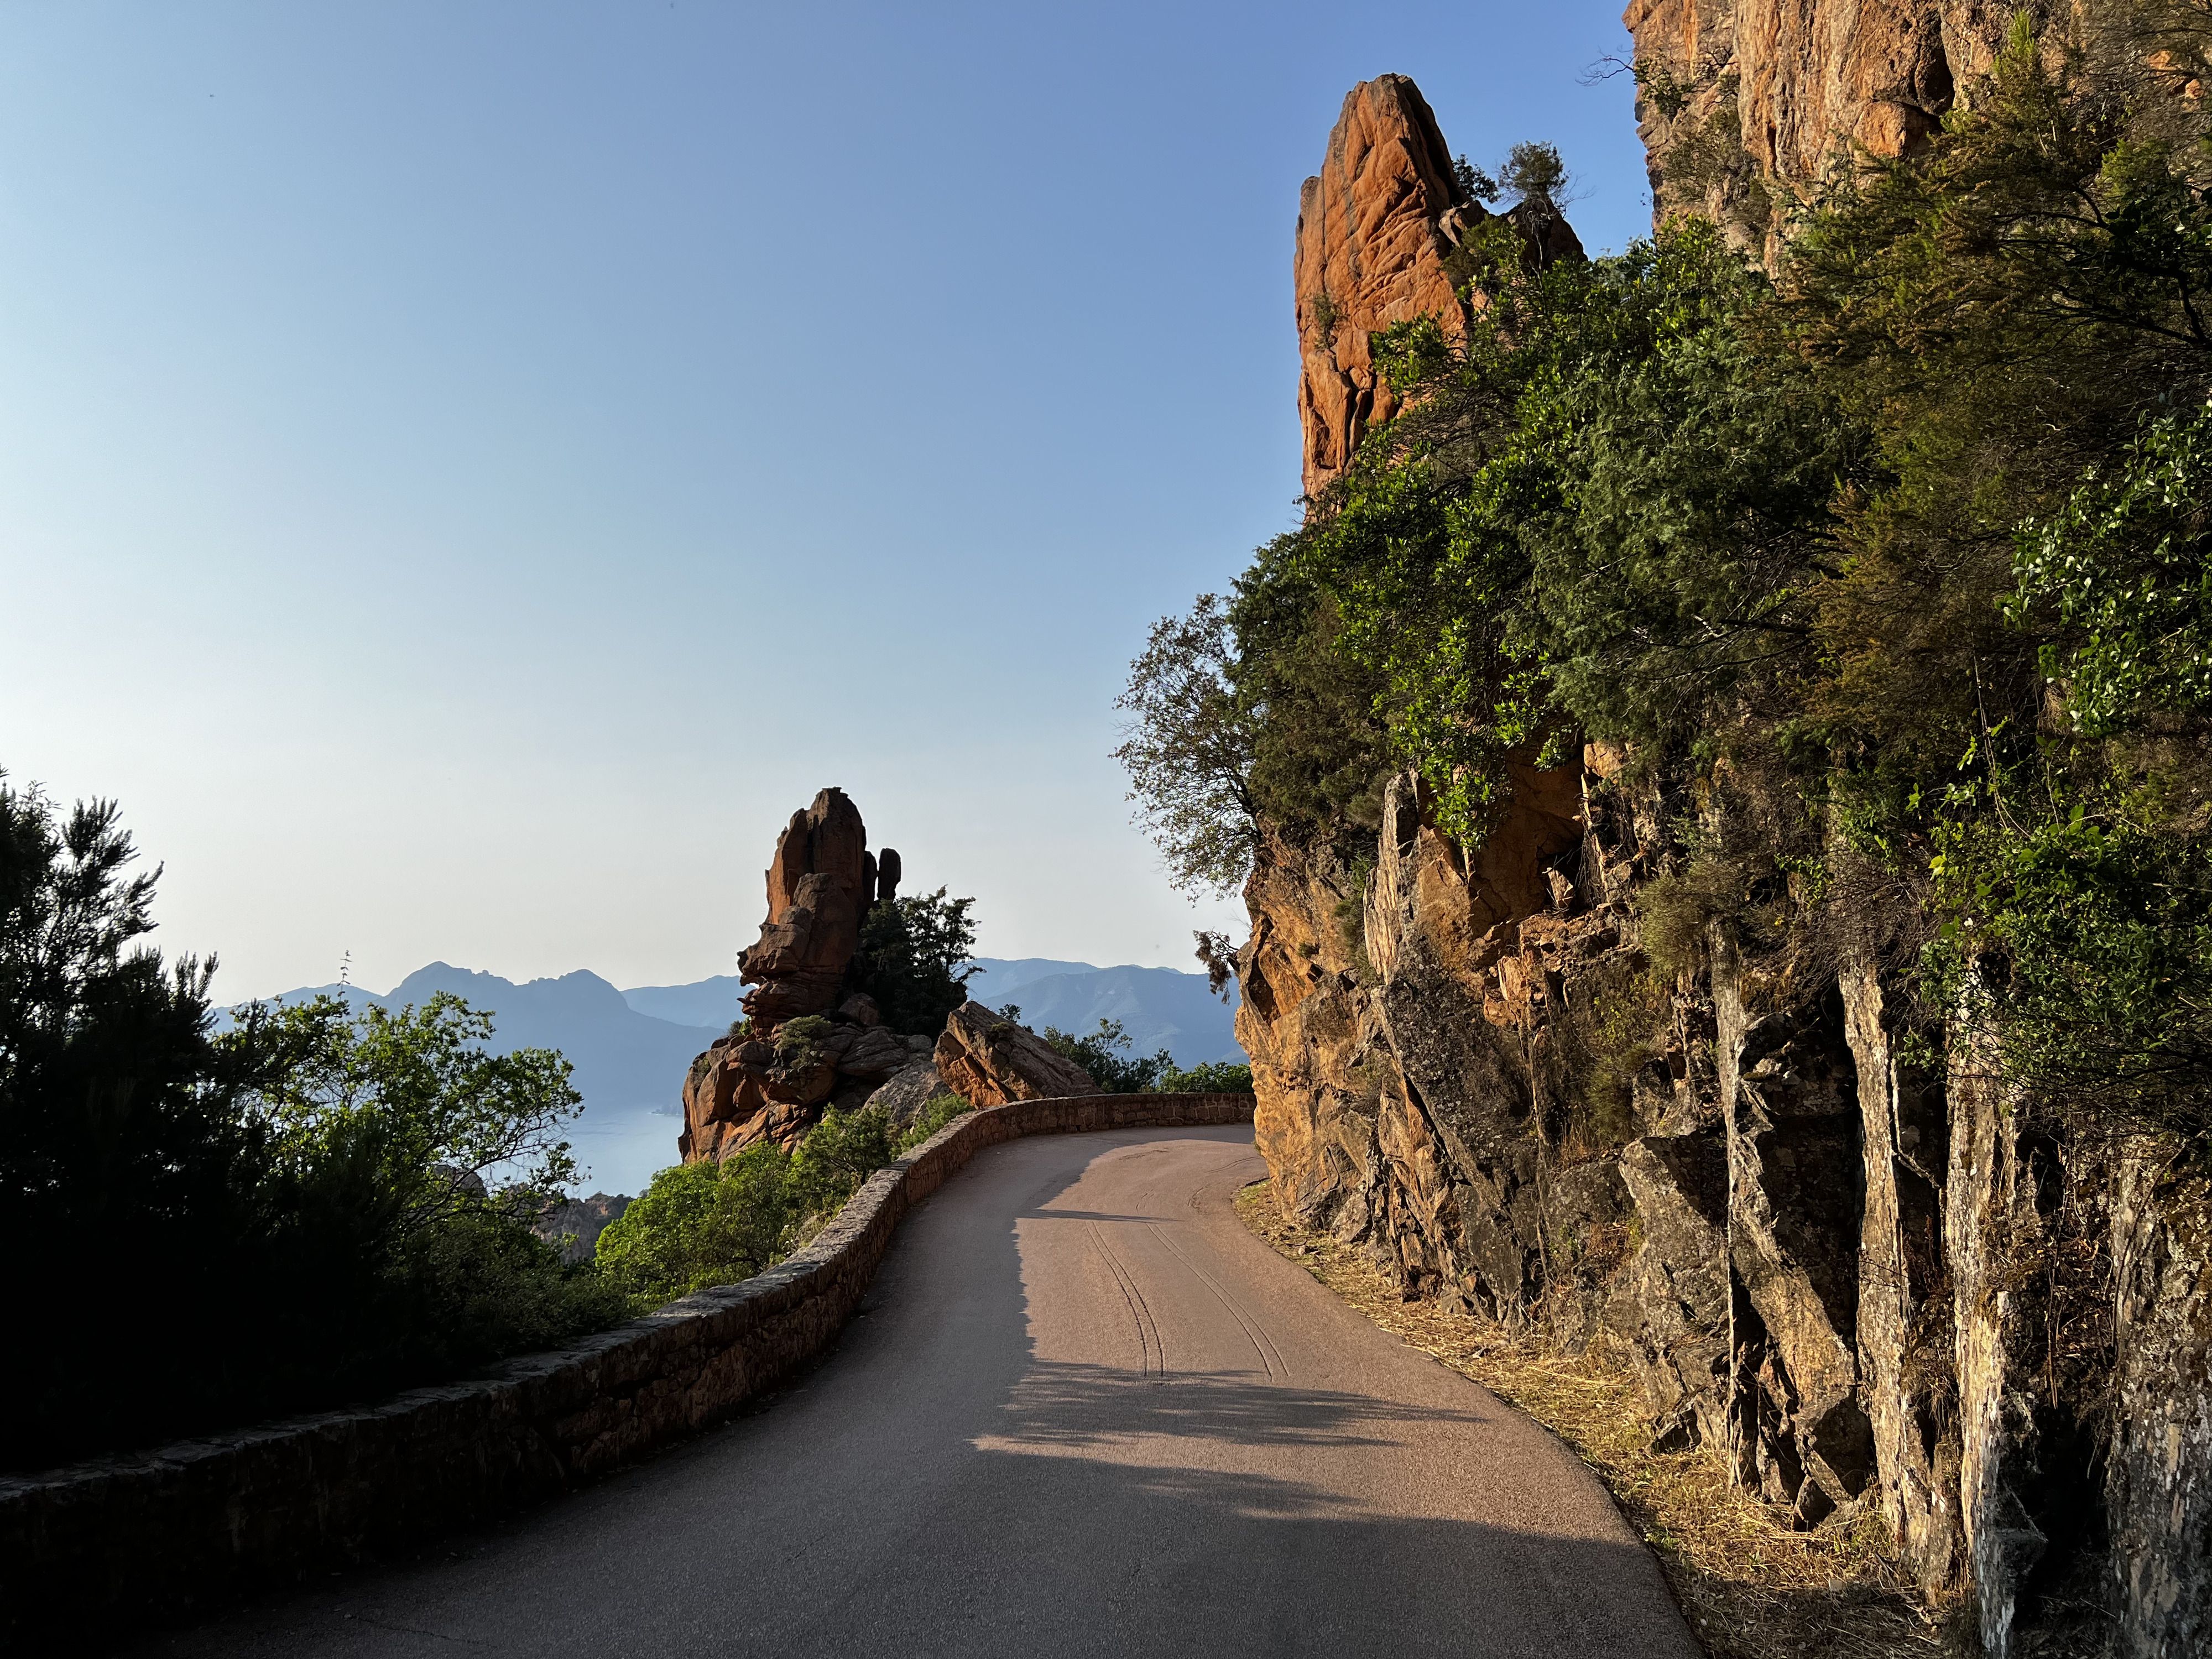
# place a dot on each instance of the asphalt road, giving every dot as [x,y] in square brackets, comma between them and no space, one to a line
[1082,1412]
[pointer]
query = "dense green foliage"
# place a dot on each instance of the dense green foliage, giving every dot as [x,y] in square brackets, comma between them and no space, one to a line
[1208,1077]
[1103,1054]
[290,1214]
[700,1224]
[1893,559]
[703,1224]
[911,957]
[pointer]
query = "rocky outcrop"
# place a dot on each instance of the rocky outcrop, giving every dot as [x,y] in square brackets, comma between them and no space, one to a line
[808,1040]
[820,886]
[1377,229]
[988,1061]
[574,1225]
[743,1091]
[1373,229]
[904,1095]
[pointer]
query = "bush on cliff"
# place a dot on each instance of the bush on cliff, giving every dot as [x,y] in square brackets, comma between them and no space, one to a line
[1102,1052]
[454,1152]
[1244,714]
[703,1224]
[700,1224]
[1208,1077]
[288,1216]
[936,1113]
[912,957]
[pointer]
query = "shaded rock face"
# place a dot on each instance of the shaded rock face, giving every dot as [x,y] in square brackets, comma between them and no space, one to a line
[1788,1100]
[909,1090]
[1904,1285]
[2160,1499]
[1670,1318]
[988,1061]
[574,1224]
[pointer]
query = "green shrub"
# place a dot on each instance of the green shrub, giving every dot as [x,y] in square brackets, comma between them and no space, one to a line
[1100,1055]
[1209,1076]
[1674,913]
[703,1224]
[936,1112]
[838,1153]
[912,957]
[800,1043]
[337,1205]
[480,1285]
[1627,1034]
[700,1224]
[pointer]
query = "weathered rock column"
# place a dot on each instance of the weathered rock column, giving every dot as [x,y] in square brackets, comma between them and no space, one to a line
[2160,1486]
[1790,1100]
[1904,1336]
[817,888]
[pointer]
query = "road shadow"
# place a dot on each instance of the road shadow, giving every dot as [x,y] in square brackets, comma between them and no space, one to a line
[1054,1403]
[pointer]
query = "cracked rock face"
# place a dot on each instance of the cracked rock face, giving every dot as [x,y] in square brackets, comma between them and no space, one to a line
[988,1061]
[820,884]
[2160,1493]
[1739,93]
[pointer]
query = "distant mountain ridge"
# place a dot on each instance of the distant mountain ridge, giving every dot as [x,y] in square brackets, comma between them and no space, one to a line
[1161,1007]
[631,1049]
[623,1057]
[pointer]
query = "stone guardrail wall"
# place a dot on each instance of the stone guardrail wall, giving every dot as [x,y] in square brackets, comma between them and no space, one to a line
[128,1538]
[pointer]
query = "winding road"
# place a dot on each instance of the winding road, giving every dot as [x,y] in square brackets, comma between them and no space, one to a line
[1082,1412]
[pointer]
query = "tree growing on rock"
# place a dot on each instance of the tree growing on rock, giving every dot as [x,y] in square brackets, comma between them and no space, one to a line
[914,957]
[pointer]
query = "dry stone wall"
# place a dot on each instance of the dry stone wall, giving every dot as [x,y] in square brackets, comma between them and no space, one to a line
[129,1539]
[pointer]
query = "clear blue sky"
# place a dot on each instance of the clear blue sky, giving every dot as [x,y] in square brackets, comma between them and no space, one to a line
[468,471]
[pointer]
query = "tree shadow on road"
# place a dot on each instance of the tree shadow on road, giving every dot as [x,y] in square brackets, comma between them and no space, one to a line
[1063,1404]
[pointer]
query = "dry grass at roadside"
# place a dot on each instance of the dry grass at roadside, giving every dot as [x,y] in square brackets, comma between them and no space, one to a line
[1751,1587]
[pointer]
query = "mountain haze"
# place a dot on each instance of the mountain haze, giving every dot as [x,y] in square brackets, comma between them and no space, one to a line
[630,1048]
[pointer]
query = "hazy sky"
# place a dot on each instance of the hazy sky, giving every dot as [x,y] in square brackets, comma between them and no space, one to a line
[469,471]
